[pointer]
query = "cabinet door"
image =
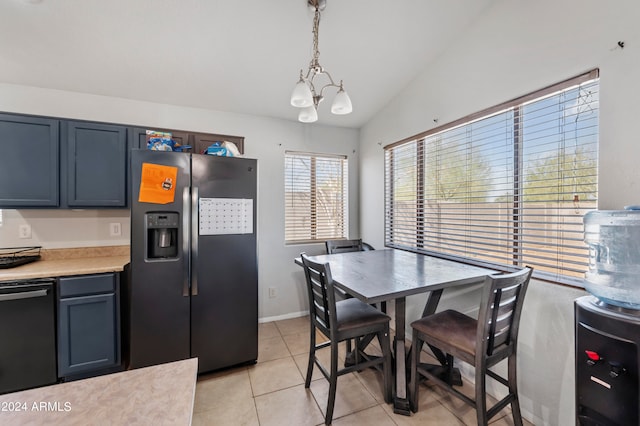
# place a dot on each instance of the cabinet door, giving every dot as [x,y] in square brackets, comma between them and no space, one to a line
[204,140]
[139,138]
[29,162]
[96,165]
[87,334]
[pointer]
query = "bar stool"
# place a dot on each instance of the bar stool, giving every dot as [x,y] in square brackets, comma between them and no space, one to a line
[482,343]
[343,246]
[346,246]
[340,321]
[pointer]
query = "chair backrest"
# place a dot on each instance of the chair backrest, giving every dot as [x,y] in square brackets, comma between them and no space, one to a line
[367,247]
[322,300]
[343,246]
[500,309]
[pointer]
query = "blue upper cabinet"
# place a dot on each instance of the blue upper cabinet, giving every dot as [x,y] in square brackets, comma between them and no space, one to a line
[29,168]
[96,165]
[49,162]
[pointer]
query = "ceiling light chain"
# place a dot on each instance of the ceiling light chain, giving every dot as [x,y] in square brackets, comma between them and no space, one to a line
[316,30]
[305,95]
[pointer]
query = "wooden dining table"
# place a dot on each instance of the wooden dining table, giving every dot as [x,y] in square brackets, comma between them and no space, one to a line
[390,274]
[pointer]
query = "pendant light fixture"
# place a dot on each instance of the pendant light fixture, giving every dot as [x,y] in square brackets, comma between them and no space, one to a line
[309,92]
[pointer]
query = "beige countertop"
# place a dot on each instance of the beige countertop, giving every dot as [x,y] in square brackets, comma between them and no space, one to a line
[76,261]
[158,395]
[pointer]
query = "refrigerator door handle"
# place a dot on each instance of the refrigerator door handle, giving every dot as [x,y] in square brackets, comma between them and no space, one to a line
[194,238]
[186,217]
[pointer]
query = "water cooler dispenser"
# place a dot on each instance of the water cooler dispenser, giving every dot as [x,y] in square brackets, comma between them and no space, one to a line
[607,323]
[162,235]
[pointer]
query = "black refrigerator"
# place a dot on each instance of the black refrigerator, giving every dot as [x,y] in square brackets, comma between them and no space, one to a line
[192,287]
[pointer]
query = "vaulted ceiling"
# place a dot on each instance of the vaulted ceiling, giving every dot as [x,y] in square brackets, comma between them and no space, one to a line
[241,56]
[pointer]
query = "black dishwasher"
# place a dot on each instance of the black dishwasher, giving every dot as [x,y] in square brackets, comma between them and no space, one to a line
[27,334]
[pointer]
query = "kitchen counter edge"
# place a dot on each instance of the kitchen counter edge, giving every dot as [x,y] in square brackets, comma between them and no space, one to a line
[65,267]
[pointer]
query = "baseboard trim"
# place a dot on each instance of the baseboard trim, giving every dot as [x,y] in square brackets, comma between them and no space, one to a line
[283,317]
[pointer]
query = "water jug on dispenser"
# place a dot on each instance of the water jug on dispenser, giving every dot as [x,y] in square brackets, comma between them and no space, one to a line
[613,237]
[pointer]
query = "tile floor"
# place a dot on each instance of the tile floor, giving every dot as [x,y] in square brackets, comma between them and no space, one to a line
[272,391]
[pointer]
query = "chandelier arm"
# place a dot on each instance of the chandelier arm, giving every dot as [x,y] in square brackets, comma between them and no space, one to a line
[325,86]
[311,74]
[333,83]
[312,87]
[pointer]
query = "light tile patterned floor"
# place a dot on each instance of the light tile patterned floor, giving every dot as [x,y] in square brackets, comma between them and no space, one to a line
[272,391]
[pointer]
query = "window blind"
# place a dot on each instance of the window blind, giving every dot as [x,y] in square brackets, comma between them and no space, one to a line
[316,197]
[508,186]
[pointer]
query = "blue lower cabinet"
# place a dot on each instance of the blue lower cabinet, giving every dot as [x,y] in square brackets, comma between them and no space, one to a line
[88,325]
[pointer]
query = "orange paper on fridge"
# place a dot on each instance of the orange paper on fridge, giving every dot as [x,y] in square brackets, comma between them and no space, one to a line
[157,184]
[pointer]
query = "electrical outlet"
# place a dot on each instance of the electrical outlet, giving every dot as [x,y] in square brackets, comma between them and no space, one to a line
[272,292]
[24,231]
[115,230]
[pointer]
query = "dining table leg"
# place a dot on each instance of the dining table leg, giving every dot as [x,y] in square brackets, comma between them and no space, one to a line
[400,400]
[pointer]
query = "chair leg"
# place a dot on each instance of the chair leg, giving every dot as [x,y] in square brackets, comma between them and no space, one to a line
[383,338]
[481,397]
[333,381]
[513,389]
[312,356]
[449,368]
[416,347]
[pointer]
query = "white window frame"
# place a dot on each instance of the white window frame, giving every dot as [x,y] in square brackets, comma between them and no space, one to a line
[319,209]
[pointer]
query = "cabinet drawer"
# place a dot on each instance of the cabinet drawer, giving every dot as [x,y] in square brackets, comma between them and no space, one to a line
[87,284]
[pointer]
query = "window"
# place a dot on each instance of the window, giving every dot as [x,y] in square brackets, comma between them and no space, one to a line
[315,187]
[507,186]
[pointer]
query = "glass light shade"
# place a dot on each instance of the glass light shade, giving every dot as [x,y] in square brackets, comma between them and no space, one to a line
[341,104]
[308,115]
[301,96]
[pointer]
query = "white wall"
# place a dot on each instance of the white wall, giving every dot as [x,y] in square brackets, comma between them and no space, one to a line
[516,48]
[265,139]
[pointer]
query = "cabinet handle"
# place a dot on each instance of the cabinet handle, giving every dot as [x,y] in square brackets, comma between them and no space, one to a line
[22,295]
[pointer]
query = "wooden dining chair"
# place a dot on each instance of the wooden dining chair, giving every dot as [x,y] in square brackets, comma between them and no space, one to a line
[340,321]
[367,247]
[343,246]
[482,343]
[346,246]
